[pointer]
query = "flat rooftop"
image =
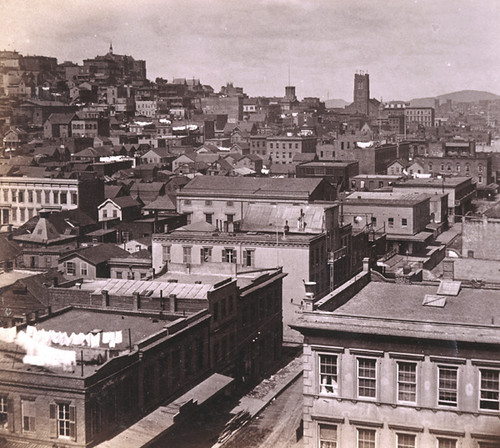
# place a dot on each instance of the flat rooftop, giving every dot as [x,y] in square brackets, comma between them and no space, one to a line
[433,182]
[397,310]
[385,198]
[85,321]
[153,289]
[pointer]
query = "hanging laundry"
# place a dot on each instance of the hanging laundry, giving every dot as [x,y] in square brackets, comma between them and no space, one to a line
[95,340]
[118,337]
[8,334]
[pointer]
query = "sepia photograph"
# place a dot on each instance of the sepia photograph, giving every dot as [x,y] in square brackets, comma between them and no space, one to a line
[249,224]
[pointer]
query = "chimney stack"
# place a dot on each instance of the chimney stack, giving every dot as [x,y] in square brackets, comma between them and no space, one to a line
[309,297]
[172,299]
[137,301]
[105,298]
[366,264]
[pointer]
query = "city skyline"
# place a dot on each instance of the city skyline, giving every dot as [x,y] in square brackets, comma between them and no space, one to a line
[410,48]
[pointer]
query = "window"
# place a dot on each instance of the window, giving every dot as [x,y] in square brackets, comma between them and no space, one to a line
[407,381]
[119,274]
[206,254]
[366,438]
[374,221]
[458,168]
[209,217]
[64,198]
[186,254]
[125,237]
[29,412]
[104,213]
[249,257]
[229,255]
[165,253]
[367,377]
[328,374]
[70,268]
[446,443]
[74,198]
[390,222]
[6,195]
[47,197]
[230,219]
[404,222]
[447,385]
[480,179]
[430,166]
[115,213]
[30,196]
[14,195]
[480,168]
[327,436]
[406,441]
[62,417]
[83,269]
[489,390]
[4,413]
[21,196]
[56,197]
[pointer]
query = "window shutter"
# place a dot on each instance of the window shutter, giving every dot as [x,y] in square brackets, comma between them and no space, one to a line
[202,259]
[72,422]
[10,415]
[223,255]
[234,256]
[53,420]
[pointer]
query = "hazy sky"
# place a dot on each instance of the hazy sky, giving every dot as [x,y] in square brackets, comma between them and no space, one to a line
[411,48]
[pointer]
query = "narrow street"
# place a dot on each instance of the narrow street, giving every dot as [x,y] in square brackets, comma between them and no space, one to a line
[276,426]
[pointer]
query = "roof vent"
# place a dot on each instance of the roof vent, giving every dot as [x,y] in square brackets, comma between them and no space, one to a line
[434,301]
[449,287]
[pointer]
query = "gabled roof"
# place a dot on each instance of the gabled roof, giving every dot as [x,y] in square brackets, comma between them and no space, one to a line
[113,191]
[162,203]
[97,254]
[244,186]
[160,152]
[146,186]
[121,202]
[59,118]
[6,170]
[20,161]
[8,249]
[207,158]
[37,171]
[87,152]
[191,156]
[223,164]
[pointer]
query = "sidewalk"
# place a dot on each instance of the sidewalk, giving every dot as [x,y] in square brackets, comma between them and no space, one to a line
[257,399]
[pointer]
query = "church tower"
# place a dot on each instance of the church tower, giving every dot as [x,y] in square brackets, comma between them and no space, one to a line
[361,93]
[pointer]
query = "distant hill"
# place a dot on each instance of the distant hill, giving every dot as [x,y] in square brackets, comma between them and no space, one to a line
[335,103]
[463,96]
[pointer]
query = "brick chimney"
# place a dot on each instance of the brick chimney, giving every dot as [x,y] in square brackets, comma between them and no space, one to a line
[172,299]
